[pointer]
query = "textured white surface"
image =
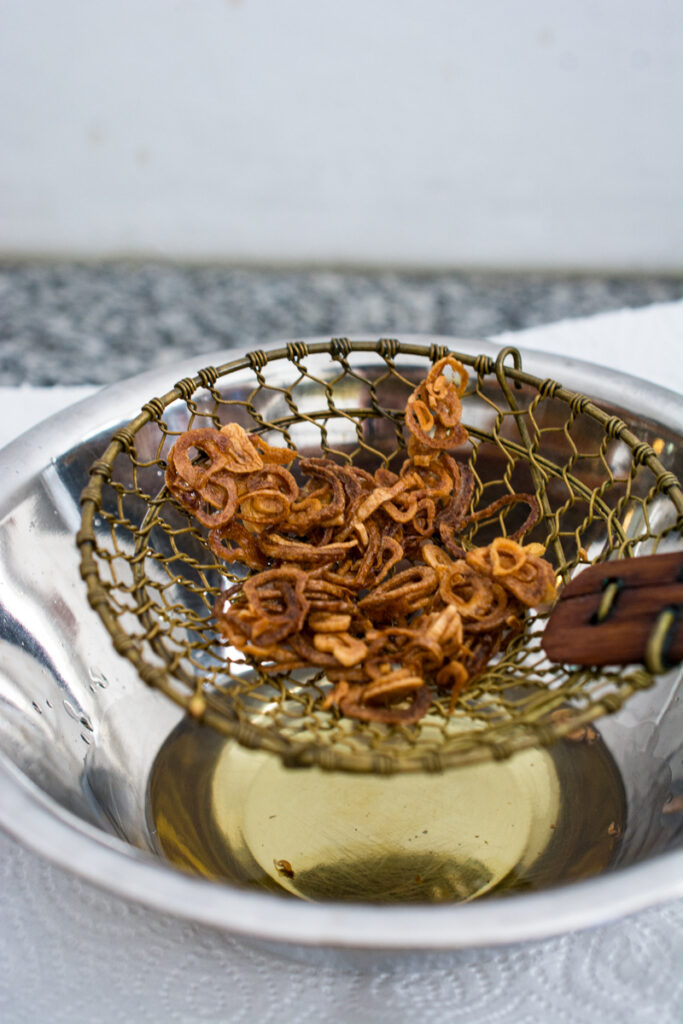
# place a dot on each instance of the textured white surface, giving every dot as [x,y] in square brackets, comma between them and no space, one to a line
[426,133]
[646,342]
[71,954]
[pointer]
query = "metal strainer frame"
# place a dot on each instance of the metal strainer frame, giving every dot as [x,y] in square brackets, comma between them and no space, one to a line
[111,540]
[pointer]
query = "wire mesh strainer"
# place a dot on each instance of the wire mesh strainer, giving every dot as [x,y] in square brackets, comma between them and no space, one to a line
[153,579]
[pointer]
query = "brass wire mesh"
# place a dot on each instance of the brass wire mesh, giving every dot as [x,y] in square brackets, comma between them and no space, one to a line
[153,580]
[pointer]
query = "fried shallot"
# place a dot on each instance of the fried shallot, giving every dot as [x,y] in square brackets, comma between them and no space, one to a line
[366,576]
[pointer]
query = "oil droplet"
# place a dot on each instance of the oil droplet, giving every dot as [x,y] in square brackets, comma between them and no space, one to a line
[78,716]
[71,711]
[98,678]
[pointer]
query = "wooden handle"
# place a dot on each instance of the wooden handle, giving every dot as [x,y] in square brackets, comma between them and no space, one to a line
[620,613]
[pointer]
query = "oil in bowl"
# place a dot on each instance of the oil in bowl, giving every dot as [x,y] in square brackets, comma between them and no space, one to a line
[540,818]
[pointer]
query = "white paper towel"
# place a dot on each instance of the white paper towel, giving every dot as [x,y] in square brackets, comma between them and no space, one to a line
[71,953]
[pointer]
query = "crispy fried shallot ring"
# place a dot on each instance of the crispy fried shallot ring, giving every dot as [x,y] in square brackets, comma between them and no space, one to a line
[434,409]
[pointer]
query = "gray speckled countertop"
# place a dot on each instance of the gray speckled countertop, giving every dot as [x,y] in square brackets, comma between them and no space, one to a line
[75,323]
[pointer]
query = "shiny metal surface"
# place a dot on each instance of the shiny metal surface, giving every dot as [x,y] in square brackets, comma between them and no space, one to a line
[79,732]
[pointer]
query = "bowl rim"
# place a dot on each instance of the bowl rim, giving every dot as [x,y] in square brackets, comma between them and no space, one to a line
[39,822]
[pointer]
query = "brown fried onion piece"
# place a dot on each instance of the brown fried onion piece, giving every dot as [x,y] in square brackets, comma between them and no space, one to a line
[363,575]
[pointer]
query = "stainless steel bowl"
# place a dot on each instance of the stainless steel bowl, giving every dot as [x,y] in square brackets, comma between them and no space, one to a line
[80,733]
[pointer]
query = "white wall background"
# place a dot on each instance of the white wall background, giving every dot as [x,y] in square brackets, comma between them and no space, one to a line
[537,133]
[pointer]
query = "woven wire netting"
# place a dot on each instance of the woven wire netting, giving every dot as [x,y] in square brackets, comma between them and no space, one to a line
[151,576]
